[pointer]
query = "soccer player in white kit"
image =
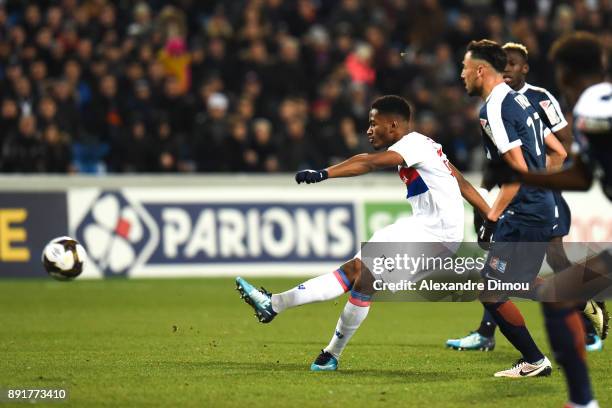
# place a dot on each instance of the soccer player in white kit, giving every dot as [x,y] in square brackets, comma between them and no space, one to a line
[434,190]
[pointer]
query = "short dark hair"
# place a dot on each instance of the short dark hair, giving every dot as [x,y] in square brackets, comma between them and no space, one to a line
[580,52]
[392,104]
[489,51]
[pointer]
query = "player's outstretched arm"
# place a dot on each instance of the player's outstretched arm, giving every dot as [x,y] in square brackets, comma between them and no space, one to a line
[578,177]
[555,152]
[355,166]
[365,163]
[469,193]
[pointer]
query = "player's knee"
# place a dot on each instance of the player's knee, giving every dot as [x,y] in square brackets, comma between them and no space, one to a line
[352,269]
[555,255]
[556,258]
[491,299]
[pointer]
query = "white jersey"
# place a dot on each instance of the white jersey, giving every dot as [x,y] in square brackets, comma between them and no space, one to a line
[593,110]
[432,190]
[593,130]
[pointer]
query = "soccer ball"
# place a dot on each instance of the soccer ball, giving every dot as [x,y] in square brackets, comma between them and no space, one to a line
[63,258]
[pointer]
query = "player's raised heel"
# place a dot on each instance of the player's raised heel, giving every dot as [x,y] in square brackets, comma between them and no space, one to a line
[522,369]
[473,341]
[324,362]
[259,299]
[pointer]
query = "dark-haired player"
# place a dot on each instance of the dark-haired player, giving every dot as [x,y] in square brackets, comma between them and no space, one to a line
[580,76]
[434,190]
[549,111]
[513,132]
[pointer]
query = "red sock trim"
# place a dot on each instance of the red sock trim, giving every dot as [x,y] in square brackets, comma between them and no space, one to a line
[359,302]
[575,324]
[341,281]
[511,314]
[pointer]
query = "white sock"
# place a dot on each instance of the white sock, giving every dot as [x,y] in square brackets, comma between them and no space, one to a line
[324,287]
[349,322]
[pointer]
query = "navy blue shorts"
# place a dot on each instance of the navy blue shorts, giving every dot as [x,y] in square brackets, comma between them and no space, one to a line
[563,216]
[517,251]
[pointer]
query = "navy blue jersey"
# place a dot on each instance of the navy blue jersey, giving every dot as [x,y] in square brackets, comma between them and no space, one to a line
[546,105]
[508,120]
[550,113]
[593,130]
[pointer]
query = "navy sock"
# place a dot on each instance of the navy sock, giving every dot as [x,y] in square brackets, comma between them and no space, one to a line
[512,325]
[487,325]
[588,325]
[566,336]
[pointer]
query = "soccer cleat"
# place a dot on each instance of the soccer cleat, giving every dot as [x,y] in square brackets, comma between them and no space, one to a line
[593,342]
[592,404]
[606,319]
[473,341]
[259,300]
[598,315]
[522,369]
[325,362]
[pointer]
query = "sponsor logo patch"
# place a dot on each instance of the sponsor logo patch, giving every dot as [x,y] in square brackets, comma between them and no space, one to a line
[551,112]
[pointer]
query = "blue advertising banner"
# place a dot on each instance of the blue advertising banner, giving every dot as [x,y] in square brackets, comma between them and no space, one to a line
[27,222]
[148,231]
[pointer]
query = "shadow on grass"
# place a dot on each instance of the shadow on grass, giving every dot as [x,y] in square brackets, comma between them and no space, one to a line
[277,368]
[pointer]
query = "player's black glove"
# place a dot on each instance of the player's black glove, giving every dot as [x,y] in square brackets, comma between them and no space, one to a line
[310,176]
[500,173]
[485,233]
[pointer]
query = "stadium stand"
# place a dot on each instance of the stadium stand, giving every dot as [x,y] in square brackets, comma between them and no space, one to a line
[101,86]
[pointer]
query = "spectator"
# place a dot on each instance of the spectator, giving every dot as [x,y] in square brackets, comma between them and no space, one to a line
[263,155]
[297,150]
[9,118]
[348,141]
[22,151]
[210,131]
[177,63]
[166,148]
[68,116]
[107,117]
[288,72]
[359,65]
[24,96]
[137,154]
[236,147]
[47,112]
[57,155]
[307,68]
[176,106]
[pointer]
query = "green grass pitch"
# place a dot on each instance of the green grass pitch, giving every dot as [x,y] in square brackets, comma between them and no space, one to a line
[193,342]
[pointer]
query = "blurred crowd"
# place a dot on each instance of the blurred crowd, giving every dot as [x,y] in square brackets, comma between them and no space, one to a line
[122,86]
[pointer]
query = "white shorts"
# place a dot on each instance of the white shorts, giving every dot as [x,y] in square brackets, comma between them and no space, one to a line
[416,229]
